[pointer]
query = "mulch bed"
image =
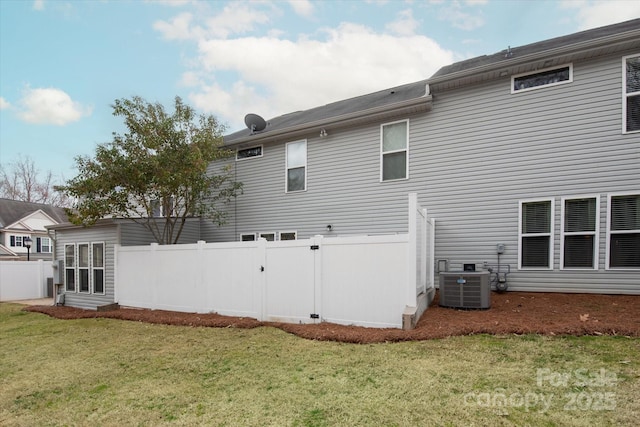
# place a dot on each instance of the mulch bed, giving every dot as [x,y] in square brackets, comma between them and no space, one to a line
[510,313]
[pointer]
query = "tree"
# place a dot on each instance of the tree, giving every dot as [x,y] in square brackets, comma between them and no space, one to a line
[21,180]
[156,173]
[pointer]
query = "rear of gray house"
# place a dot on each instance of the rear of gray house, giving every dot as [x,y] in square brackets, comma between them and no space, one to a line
[535,149]
[529,157]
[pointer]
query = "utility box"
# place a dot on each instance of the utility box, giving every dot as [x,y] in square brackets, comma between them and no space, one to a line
[465,289]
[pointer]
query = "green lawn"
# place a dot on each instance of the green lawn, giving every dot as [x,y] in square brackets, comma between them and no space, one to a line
[120,373]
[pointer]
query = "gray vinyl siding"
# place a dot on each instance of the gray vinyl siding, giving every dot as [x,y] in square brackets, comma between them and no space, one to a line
[133,234]
[109,236]
[478,153]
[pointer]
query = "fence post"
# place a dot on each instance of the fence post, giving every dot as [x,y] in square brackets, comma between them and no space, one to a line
[424,245]
[153,248]
[262,281]
[201,293]
[317,289]
[410,286]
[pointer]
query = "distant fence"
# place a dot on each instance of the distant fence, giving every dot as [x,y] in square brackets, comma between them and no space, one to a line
[362,280]
[20,280]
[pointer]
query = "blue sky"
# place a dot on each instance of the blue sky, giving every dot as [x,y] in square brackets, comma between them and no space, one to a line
[63,63]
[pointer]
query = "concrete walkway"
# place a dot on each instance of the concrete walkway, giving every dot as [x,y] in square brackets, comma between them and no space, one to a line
[41,301]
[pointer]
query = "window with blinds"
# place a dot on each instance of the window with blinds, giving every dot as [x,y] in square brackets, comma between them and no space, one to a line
[579,241]
[624,231]
[631,93]
[536,236]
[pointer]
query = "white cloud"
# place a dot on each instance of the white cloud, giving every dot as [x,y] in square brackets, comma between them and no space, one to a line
[465,20]
[4,104]
[38,5]
[50,106]
[235,18]
[275,76]
[302,7]
[405,24]
[592,14]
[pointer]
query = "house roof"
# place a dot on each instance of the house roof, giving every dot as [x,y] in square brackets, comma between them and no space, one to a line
[416,97]
[539,55]
[399,100]
[11,211]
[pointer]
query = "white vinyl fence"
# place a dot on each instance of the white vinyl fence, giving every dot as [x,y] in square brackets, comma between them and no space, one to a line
[21,280]
[364,280]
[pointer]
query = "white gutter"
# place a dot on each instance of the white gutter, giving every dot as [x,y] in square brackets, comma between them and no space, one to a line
[517,60]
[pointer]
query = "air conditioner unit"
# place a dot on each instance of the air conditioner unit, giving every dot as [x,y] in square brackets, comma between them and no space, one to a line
[465,289]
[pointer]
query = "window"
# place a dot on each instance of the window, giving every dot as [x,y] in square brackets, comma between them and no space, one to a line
[162,208]
[394,147]
[631,93]
[70,268]
[247,153]
[269,237]
[248,237]
[288,235]
[15,241]
[43,245]
[97,267]
[296,166]
[623,231]
[83,267]
[579,243]
[536,236]
[542,78]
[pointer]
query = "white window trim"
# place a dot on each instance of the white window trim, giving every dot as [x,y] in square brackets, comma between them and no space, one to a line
[529,73]
[249,148]
[595,234]
[295,234]
[103,268]
[286,165]
[74,268]
[275,235]
[255,237]
[41,245]
[88,267]
[608,238]
[382,153]
[550,234]
[625,95]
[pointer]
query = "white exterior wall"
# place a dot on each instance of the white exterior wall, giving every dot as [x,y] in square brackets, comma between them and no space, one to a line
[478,153]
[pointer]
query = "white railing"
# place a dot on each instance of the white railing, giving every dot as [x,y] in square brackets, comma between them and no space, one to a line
[362,280]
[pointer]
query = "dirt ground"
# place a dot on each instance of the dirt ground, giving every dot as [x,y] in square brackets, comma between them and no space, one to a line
[510,313]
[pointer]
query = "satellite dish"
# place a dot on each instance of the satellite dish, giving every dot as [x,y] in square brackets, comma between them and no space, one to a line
[254,122]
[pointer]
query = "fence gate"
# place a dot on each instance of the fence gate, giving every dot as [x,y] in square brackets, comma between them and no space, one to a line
[289,291]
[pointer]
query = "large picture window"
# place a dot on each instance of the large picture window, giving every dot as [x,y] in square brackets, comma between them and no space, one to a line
[536,234]
[631,93]
[84,266]
[623,231]
[296,166]
[394,147]
[580,219]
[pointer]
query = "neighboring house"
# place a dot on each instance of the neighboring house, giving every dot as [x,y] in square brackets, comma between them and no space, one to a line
[529,159]
[535,148]
[21,220]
